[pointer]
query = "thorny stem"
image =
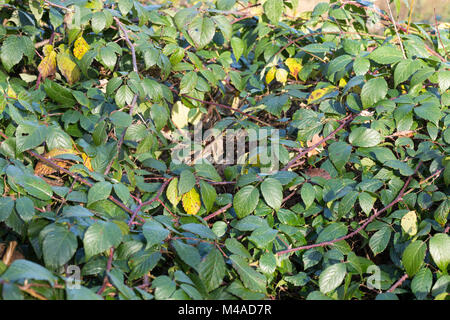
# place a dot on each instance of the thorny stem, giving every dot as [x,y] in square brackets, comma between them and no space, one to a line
[398,283]
[350,235]
[345,121]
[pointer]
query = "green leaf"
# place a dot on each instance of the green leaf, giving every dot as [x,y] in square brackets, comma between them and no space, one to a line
[199,229]
[308,194]
[413,257]
[373,91]
[154,232]
[208,194]
[347,203]
[421,284]
[98,21]
[364,137]
[212,270]
[201,30]
[252,279]
[186,183]
[25,269]
[99,191]
[81,293]
[386,55]
[273,9]
[245,201]
[444,80]
[263,236]
[272,191]
[188,82]
[429,111]
[6,207]
[124,96]
[172,192]
[187,253]
[37,187]
[125,6]
[379,241]
[25,208]
[13,49]
[159,116]
[100,237]
[59,94]
[331,232]
[440,250]
[30,135]
[404,70]
[208,171]
[332,277]
[59,246]
[224,25]
[238,46]
[143,262]
[339,153]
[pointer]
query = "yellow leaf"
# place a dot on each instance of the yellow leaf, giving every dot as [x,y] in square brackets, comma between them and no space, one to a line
[191,201]
[281,75]
[342,83]
[180,115]
[319,93]
[80,48]
[87,161]
[270,74]
[294,66]
[172,192]
[10,92]
[68,68]
[47,67]
[409,223]
[48,48]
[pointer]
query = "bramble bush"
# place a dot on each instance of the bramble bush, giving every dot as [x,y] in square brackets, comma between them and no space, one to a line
[96,96]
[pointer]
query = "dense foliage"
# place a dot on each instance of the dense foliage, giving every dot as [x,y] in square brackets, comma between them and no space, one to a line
[94,97]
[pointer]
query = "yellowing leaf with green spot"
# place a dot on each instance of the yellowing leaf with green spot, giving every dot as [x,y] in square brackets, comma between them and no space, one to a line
[281,75]
[270,75]
[48,48]
[319,93]
[172,192]
[80,48]
[191,201]
[68,68]
[87,161]
[294,66]
[47,66]
[10,92]
[409,223]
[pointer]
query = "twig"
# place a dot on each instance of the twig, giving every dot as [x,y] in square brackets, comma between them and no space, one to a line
[376,214]
[51,4]
[108,268]
[438,33]
[396,30]
[410,15]
[212,215]
[398,283]
[133,102]
[345,121]
[146,203]
[74,176]
[221,105]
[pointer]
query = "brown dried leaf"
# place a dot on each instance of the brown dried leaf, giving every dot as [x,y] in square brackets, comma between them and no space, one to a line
[318,172]
[315,139]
